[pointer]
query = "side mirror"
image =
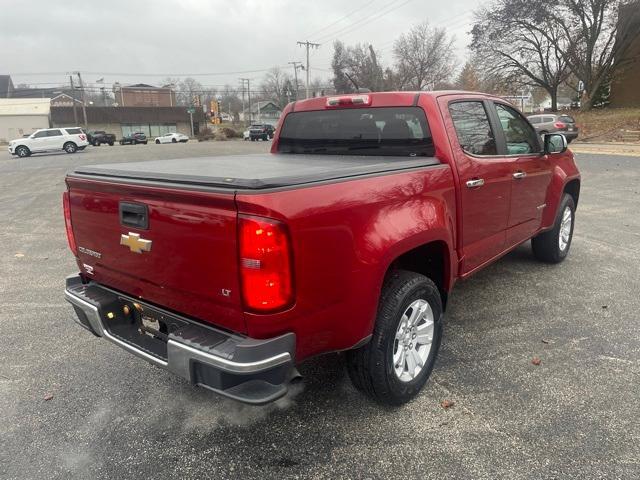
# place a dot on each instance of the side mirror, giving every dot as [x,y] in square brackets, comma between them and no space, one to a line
[555,143]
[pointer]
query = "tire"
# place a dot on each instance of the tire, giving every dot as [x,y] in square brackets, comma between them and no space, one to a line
[96,143]
[553,246]
[173,140]
[23,151]
[157,142]
[145,142]
[372,368]
[121,142]
[111,144]
[70,147]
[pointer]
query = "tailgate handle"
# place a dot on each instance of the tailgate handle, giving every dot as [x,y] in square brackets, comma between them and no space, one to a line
[134,215]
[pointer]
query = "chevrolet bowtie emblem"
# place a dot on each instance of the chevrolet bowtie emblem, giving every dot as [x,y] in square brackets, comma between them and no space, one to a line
[135,243]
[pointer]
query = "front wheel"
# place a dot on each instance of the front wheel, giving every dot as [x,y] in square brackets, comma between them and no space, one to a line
[70,147]
[173,140]
[23,152]
[553,246]
[144,143]
[111,144]
[397,361]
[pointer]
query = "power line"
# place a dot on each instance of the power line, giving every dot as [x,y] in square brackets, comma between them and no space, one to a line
[365,21]
[132,74]
[311,35]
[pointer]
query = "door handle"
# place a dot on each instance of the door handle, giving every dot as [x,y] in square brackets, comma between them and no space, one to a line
[519,175]
[476,182]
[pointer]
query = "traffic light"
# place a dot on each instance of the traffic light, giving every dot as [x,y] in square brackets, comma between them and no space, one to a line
[215,112]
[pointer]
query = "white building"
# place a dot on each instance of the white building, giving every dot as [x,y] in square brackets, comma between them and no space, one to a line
[22,116]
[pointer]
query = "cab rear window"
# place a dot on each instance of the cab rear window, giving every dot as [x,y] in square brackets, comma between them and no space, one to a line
[75,131]
[397,131]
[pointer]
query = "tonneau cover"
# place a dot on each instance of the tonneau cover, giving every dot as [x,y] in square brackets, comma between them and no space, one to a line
[255,172]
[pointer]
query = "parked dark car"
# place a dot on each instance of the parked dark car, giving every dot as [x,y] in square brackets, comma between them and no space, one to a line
[134,139]
[98,137]
[262,131]
[555,123]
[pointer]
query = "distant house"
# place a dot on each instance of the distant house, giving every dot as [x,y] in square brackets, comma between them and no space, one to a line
[20,116]
[143,95]
[266,112]
[64,100]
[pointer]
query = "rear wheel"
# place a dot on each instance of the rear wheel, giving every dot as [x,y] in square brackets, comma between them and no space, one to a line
[70,147]
[111,144]
[553,246]
[96,143]
[157,142]
[23,151]
[145,142]
[173,140]
[396,363]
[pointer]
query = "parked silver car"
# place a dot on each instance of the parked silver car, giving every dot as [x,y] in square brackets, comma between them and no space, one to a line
[555,123]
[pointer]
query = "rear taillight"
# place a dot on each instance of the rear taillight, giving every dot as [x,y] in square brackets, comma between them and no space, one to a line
[559,125]
[66,207]
[265,264]
[82,137]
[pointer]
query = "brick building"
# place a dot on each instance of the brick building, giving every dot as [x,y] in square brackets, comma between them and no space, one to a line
[625,91]
[143,95]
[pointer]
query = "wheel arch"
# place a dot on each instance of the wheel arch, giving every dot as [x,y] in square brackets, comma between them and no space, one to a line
[572,187]
[431,259]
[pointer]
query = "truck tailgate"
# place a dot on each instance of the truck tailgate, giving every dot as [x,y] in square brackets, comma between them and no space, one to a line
[191,264]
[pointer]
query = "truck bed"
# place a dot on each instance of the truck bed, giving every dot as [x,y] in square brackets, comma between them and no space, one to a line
[253,172]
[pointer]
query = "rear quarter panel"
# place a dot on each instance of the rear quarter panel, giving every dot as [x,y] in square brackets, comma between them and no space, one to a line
[344,237]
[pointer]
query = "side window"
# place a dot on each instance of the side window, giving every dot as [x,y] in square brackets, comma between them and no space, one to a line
[521,138]
[41,134]
[534,120]
[473,128]
[54,133]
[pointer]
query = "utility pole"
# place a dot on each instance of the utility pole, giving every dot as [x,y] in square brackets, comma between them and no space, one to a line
[73,93]
[84,100]
[248,96]
[312,45]
[296,66]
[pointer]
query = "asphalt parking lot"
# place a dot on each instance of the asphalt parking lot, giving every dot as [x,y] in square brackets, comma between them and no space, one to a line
[111,415]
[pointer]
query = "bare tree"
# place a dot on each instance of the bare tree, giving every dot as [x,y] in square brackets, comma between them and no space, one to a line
[518,40]
[357,65]
[273,86]
[424,57]
[599,39]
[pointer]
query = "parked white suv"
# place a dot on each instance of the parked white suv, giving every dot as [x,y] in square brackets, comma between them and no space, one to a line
[49,139]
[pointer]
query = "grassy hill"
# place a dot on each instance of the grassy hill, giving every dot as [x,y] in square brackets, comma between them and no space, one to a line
[608,124]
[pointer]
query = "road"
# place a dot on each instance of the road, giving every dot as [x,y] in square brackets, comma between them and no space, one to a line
[111,415]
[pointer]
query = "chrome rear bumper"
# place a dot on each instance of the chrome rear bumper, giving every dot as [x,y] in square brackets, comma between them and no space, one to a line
[245,369]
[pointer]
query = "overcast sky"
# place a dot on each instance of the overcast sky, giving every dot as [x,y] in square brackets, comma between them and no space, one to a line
[145,41]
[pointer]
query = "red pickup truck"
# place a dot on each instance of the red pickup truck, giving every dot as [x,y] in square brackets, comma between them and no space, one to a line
[348,236]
